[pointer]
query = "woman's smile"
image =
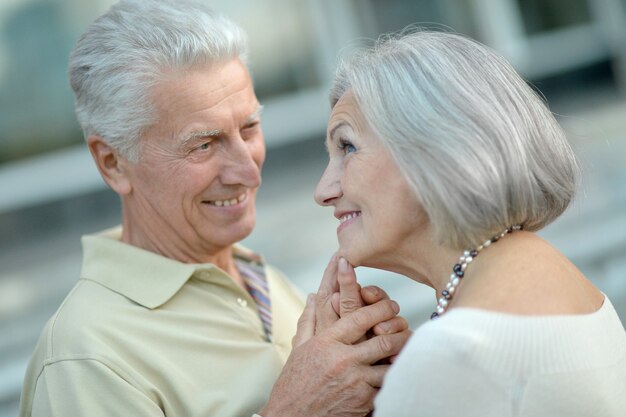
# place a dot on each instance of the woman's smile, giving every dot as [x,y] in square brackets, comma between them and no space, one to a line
[346,219]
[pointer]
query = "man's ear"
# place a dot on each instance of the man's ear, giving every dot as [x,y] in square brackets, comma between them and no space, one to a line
[112,166]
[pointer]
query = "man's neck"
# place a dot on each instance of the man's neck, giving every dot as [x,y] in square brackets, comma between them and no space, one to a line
[174,247]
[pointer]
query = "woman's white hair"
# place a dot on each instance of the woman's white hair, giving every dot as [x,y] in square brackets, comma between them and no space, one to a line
[478,146]
[129,49]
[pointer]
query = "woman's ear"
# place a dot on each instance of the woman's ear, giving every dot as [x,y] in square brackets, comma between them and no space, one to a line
[112,166]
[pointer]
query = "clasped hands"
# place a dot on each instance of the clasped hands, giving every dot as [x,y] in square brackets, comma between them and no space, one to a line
[346,339]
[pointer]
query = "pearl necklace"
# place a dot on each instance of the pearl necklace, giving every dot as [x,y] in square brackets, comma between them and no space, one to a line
[458,271]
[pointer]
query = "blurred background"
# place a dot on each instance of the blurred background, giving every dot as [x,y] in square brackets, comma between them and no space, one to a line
[50,193]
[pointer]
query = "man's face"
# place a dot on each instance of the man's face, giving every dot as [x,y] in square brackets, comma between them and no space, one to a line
[194,188]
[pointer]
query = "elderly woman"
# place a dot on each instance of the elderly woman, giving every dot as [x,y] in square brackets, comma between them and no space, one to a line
[443,165]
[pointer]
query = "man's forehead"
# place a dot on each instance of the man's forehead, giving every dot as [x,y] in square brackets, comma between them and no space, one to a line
[205,98]
[211,82]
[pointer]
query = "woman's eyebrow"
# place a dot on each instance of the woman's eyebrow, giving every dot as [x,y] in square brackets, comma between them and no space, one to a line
[331,134]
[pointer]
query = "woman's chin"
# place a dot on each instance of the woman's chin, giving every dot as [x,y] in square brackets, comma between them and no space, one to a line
[365,257]
[347,255]
[353,257]
[356,259]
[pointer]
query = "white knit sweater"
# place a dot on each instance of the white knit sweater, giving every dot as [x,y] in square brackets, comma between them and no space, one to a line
[475,363]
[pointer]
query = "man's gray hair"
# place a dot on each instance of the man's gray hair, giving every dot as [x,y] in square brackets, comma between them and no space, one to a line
[129,49]
[478,146]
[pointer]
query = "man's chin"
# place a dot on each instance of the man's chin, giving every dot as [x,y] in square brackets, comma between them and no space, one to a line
[231,234]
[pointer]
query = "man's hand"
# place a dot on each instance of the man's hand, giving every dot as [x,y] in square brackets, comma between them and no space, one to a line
[345,337]
[328,374]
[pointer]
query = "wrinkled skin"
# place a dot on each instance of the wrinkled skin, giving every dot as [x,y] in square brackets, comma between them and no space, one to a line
[335,369]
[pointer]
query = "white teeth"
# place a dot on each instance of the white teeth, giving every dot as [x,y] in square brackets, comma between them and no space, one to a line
[349,216]
[231,202]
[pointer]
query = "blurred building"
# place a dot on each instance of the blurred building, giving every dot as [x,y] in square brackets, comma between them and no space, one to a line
[574,52]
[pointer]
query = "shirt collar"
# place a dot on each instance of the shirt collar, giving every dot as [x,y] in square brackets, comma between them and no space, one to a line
[144,277]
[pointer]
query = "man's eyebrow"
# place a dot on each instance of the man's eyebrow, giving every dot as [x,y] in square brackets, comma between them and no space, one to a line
[255,115]
[214,133]
[197,134]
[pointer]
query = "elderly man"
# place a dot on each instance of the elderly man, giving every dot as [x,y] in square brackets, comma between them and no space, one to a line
[170,317]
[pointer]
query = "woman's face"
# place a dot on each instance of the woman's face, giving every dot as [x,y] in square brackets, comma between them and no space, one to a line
[380,219]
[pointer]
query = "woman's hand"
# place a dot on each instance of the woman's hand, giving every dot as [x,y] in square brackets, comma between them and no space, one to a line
[340,354]
[330,372]
[339,295]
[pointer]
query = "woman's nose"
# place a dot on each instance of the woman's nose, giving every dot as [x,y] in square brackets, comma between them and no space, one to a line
[329,187]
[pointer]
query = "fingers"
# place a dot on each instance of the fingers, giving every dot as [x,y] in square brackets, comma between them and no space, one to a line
[351,328]
[325,313]
[334,299]
[329,284]
[373,294]
[349,289]
[382,347]
[374,375]
[392,359]
[395,325]
[306,323]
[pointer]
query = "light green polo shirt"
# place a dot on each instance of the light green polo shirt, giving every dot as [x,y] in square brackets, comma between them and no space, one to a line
[144,335]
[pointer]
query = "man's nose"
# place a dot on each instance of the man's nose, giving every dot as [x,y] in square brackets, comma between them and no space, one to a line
[329,187]
[242,163]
